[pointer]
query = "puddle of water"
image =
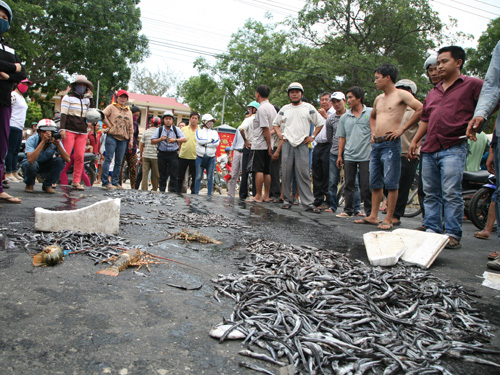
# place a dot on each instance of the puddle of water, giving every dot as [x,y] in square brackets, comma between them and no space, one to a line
[71,198]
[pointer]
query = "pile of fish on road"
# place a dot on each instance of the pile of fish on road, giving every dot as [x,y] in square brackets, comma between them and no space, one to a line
[141,197]
[98,246]
[198,220]
[320,312]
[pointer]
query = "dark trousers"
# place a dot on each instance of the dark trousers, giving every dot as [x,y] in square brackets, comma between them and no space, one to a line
[350,170]
[274,170]
[5,112]
[15,141]
[244,174]
[184,164]
[51,170]
[320,173]
[408,169]
[421,194]
[168,166]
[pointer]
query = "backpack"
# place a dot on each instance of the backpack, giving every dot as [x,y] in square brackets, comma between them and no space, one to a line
[161,132]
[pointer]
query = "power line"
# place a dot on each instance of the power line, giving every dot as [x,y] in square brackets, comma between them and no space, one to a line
[491,5]
[463,10]
[473,7]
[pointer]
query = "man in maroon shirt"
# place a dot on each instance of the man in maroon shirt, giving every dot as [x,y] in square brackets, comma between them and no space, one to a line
[447,110]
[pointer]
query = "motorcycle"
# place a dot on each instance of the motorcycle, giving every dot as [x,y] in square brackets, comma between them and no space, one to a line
[480,203]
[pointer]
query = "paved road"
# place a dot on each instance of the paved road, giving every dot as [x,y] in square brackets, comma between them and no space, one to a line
[69,320]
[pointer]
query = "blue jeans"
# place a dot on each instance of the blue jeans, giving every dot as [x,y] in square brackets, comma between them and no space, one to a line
[15,141]
[442,178]
[333,181]
[385,165]
[117,148]
[51,170]
[204,163]
[497,191]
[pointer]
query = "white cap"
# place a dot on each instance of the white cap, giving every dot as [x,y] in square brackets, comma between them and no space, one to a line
[338,95]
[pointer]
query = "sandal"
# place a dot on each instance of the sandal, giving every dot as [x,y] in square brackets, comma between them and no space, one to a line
[77,187]
[344,215]
[494,255]
[286,206]
[314,209]
[481,236]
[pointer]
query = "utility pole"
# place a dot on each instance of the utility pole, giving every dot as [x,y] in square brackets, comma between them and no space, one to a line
[223,107]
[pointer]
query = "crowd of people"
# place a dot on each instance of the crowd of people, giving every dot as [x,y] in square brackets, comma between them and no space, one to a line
[291,154]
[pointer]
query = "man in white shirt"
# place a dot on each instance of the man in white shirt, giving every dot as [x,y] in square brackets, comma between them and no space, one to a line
[293,124]
[262,147]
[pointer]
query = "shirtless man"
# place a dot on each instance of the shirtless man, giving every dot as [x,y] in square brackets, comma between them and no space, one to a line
[385,162]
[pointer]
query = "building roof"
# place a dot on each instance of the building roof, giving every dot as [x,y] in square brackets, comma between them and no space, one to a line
[158,101]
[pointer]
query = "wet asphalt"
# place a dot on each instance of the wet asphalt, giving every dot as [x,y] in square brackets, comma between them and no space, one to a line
[69,320]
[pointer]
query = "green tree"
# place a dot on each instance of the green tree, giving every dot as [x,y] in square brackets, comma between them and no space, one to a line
[34,114]
[352,37]
[59,38]
[158,83]
[479,59]
[254,56]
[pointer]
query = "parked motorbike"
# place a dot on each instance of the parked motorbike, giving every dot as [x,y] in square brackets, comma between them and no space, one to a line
[480,203]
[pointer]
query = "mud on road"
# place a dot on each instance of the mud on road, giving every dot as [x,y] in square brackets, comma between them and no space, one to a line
[68,319]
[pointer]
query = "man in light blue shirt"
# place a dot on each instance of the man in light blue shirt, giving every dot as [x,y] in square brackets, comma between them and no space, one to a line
[168,137]
[46,155]
[354,150]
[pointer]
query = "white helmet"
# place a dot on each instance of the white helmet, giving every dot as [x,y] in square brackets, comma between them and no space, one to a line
[46,124]
[431,60]
[168,112]
[94,115]
[206,118]
[295,86]
[407,84]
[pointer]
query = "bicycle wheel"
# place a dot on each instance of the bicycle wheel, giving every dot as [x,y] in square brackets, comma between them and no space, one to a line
[412,208]
[479,206]
[340,195]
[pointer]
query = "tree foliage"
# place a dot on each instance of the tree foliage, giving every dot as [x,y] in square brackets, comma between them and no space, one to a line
[331,46]
[252,53]
[60,38]
[159,83]
[353,37]
[479,59]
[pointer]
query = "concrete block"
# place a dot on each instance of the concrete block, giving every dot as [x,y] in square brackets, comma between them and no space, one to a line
[101,217]
[491,280]
[422,248]
[383,248]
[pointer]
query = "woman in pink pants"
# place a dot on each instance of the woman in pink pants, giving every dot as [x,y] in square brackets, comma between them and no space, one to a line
[74,106]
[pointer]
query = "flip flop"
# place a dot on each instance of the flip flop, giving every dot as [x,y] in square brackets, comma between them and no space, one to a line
[252,200]
[385,226]
[316,210]
[343,215]
[10,200]
[286,206]
[330,210]
[494,255]
[365,221]
[396,223]
[481,236]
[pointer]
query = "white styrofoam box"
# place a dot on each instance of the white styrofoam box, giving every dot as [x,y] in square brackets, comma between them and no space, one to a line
[422,248]
[101,217]
[383,248]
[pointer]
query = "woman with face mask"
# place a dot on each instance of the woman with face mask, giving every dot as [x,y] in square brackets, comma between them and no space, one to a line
[74,106]
[17,120]
[11,72]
